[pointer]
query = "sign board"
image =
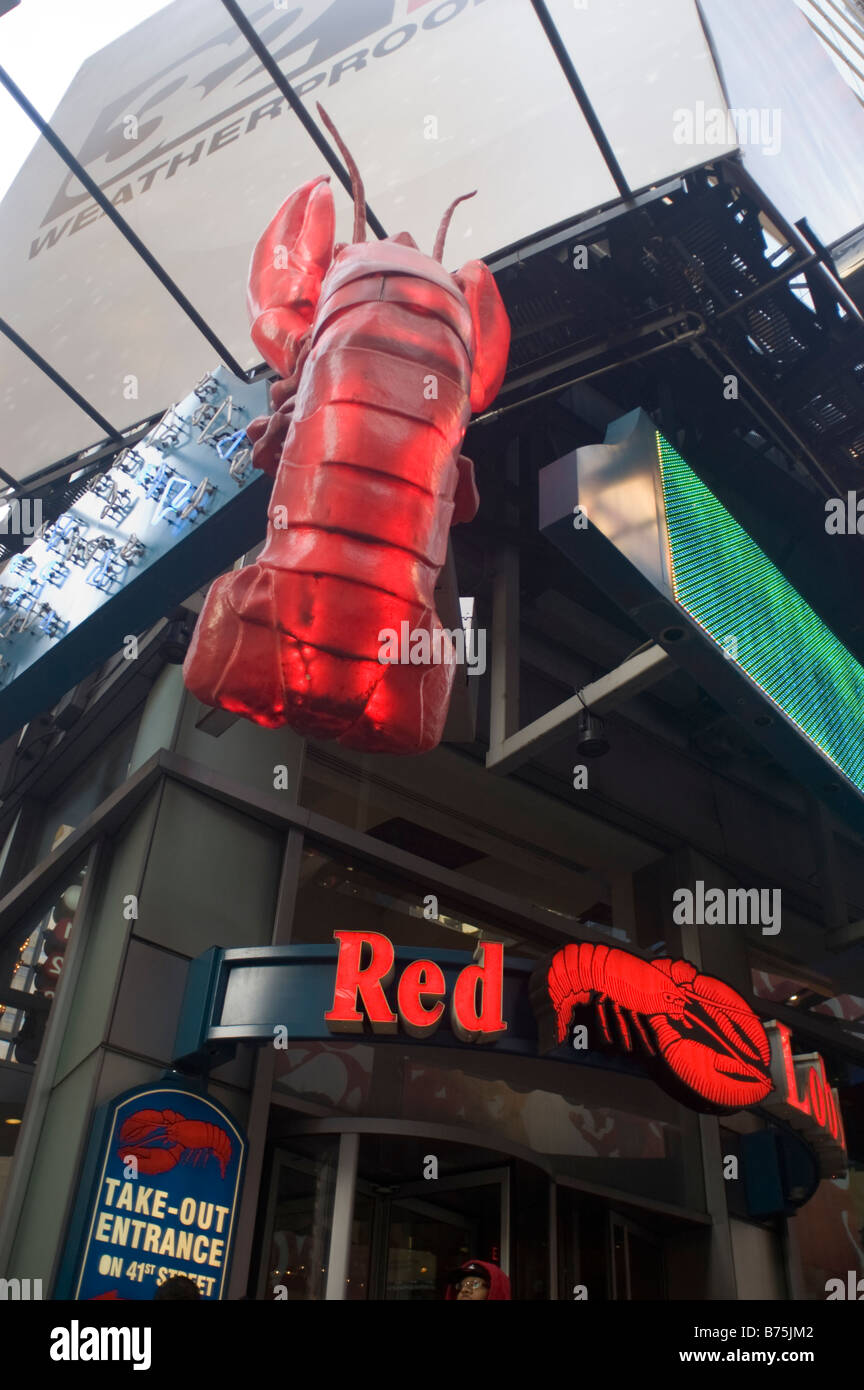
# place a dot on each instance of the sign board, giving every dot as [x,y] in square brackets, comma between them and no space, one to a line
[171,512]
[249,994]
[186,134]
[696,1036]
[803,1098]
[800,125]
[158,1198]
[669,553]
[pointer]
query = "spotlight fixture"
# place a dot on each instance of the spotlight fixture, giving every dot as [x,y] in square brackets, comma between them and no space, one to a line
[591,741]
[176,636]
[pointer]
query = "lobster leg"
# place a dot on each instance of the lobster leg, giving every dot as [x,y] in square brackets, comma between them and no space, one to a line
[604,1022]
[267,434]
[646,1041]
[622,1026]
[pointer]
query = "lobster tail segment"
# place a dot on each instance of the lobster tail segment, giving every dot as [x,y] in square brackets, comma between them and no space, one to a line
[557,987]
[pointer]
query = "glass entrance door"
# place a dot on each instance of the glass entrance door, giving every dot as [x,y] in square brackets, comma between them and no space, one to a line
[424,1235]
[637,1261]
[407,1232]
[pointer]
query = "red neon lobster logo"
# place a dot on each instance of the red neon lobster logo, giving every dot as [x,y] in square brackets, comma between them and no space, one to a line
[383,356]
[700,1028]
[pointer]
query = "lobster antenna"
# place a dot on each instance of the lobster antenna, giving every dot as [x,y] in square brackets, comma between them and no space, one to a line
[441,237]
[357,191]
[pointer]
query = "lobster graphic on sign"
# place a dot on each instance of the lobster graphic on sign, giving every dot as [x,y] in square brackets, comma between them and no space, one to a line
[160,1139]
[383,355]
[703,1036]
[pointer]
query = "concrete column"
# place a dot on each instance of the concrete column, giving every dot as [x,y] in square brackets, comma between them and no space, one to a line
[185,873]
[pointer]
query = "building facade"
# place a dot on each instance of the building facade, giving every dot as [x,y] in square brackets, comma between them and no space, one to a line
[165,837]
[591,787]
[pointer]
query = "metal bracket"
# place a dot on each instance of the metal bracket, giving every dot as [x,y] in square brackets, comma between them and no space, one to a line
[635,674]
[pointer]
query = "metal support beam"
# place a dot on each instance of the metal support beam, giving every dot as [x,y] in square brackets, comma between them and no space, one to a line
[575,84]
[834,913]
[504,670]
[339,1261]
[844,937]
[685,335]
[59,381]
[787,273]
[635,674]
[273,70]
[461,725]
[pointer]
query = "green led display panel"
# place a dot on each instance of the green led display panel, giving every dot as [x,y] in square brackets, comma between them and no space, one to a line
[731,588]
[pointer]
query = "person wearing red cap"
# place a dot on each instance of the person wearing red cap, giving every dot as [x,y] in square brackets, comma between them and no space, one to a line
[476,1280]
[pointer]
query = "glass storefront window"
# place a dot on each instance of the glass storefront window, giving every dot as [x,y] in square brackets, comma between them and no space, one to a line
[408,1235]
[298,1227]
[603,1255]
[79,796]
[595,1124]
[336,893]
[31,965]
[360,1261]
[456,824]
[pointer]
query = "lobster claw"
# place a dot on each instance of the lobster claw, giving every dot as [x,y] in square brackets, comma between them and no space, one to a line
[717,1046]
[287,268]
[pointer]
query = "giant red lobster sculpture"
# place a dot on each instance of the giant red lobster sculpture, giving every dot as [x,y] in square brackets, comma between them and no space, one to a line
[383,356]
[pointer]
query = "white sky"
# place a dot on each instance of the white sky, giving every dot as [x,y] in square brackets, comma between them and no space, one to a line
[42,45]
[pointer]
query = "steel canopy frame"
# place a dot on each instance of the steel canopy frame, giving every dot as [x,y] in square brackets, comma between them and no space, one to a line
[323,145]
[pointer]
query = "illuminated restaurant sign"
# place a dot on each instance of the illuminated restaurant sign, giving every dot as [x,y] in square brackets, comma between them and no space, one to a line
[804,1099]
[475,1003]
[159,1196]
[699,1028]
[169,513]
[692,1034]
[691,1029]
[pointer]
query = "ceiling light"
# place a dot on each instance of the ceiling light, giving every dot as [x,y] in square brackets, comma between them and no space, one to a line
[591,741]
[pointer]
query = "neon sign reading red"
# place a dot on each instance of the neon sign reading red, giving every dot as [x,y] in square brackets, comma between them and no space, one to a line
[700,1035]
[365,969]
